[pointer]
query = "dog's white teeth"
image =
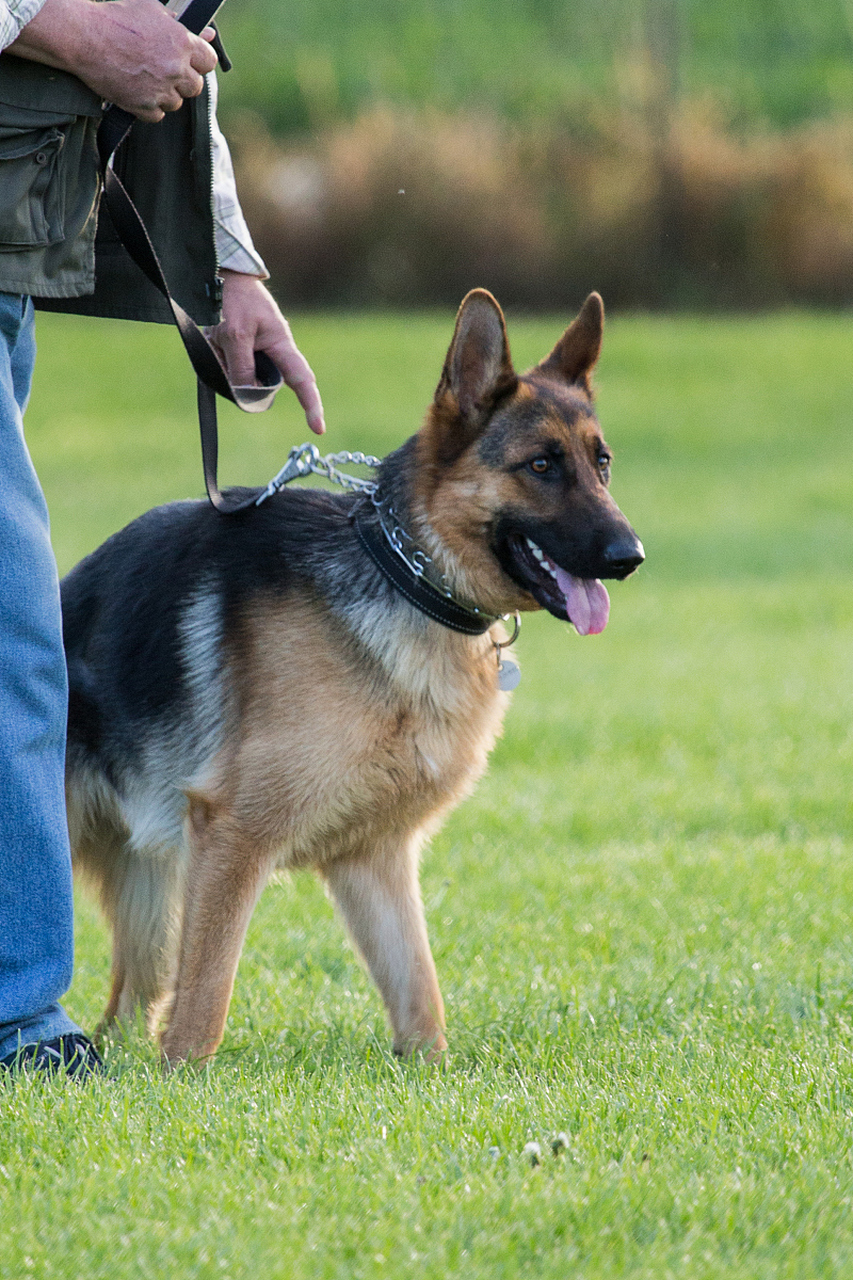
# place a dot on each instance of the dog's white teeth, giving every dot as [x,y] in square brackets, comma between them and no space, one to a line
[545,562]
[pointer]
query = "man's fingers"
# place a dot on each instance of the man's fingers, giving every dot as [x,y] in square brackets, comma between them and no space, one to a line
[251,322]
[151,115]
[308,395]
[203,57]
[171,101]
[189,87]
[236,355]
[299,376]
[238,360]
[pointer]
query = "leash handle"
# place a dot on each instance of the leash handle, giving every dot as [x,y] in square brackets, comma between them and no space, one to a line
[131,230]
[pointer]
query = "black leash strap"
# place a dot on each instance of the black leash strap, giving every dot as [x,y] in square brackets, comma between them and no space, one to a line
[212,379]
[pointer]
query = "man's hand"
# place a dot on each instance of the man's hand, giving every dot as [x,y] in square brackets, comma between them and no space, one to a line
[131,52]
[251,321]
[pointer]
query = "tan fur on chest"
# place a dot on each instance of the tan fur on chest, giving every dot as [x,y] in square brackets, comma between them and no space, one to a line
[324,757]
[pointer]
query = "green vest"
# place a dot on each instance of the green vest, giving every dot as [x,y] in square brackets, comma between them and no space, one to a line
[57,243]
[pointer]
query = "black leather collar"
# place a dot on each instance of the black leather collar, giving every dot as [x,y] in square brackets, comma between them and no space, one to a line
[417,590]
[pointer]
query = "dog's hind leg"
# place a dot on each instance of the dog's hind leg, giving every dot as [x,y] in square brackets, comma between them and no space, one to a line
[379,897]
[225,878]
[141,898]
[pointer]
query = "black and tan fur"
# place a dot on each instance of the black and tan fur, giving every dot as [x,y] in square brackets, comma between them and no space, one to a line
[249,692]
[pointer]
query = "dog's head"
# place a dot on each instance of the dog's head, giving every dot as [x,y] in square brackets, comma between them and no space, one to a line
[513,472]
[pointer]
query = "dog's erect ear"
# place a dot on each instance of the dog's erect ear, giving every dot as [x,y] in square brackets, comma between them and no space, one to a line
[575,355]
[477,372]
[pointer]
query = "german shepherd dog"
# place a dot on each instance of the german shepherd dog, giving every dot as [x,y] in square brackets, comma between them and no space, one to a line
[278,688]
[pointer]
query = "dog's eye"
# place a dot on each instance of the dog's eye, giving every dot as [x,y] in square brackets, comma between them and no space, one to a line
[539,466]
[604,460]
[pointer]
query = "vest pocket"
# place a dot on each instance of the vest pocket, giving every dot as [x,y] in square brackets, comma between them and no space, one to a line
[32,187]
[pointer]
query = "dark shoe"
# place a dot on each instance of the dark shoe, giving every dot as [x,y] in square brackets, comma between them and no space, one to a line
[73,1055]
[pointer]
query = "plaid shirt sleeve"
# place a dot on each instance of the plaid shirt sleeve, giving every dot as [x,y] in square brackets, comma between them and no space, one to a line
[234,247]
[15,14]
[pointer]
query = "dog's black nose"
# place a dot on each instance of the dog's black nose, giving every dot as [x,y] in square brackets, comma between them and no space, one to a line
[624,555]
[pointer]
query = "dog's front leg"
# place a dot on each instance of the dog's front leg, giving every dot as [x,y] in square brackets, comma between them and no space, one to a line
[379,897]
[224,881]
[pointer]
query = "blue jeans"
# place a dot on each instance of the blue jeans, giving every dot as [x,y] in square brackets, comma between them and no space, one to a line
[36,935]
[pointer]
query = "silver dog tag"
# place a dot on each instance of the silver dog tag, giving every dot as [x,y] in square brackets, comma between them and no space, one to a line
[509,675]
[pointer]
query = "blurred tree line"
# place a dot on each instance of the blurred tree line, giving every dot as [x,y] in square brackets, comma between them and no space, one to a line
[688,153]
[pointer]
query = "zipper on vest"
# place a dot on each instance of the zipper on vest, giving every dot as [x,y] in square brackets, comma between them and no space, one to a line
[214,288]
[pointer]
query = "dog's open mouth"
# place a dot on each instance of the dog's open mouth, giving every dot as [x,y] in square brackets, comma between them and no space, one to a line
[582,601]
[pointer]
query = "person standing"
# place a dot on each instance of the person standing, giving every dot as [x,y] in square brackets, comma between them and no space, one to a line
[61,60]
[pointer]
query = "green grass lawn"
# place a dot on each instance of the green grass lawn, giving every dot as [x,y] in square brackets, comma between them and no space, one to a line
[642,921]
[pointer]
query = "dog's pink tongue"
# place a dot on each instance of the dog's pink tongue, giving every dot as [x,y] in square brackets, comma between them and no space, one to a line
[587,603]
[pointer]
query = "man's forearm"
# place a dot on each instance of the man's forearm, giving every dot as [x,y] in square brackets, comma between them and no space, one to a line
[56,34]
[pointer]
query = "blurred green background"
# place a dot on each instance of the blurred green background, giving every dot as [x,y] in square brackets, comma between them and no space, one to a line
[311,62]
[669,152]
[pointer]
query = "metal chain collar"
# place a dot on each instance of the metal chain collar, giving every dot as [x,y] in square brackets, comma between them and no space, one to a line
[420,564]
[414,557]
[306,459]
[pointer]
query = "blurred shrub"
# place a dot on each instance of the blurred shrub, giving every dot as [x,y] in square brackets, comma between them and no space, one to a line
[399,208]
